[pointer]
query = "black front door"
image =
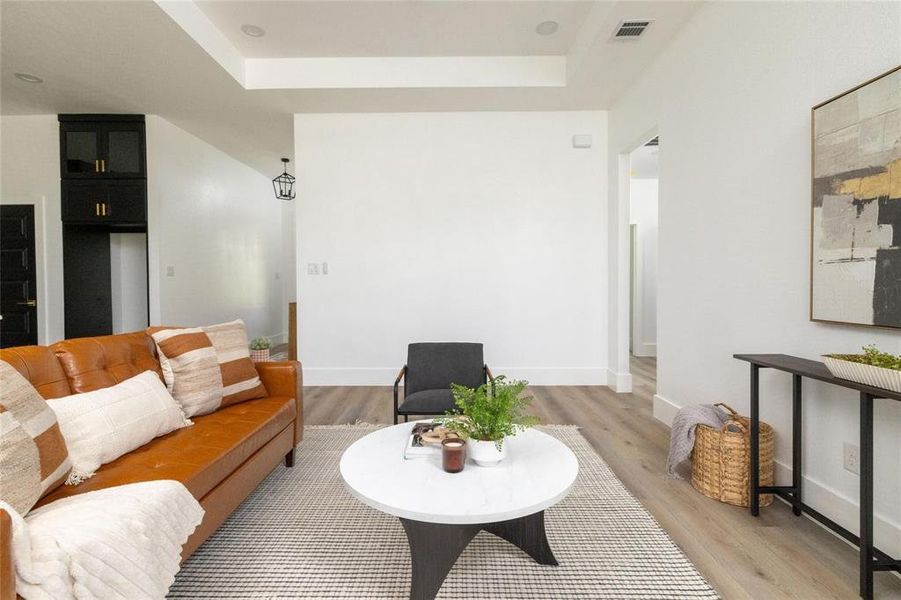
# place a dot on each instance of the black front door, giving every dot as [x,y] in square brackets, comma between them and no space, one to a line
[18,277]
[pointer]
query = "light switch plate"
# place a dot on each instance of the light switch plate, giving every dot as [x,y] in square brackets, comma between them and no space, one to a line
[170,271]
[312,268]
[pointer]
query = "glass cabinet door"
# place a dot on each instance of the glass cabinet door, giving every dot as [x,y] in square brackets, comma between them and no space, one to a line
[124,151]
[81,155]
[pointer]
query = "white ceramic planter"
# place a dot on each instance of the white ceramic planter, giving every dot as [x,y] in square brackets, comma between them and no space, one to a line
[889,379]
[485,454]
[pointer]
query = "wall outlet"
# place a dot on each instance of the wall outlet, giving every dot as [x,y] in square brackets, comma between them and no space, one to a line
[312,268]
[325,268]
[170,271]
[851,458]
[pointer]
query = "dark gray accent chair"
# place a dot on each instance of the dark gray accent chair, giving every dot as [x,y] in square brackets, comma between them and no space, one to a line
[430,370]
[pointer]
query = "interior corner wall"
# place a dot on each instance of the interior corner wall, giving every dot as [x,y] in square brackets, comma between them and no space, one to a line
[29,174]
[216,223]
[483,227]
[733,112]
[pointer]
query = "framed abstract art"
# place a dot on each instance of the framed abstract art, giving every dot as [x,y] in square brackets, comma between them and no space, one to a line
[855,252]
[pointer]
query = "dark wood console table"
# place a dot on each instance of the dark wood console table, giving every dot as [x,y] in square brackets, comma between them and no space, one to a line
[871,558]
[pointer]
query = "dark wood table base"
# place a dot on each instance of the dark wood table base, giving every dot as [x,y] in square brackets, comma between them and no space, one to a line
[435,547]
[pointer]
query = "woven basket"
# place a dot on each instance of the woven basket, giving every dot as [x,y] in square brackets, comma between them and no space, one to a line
[721,460]
[259,355]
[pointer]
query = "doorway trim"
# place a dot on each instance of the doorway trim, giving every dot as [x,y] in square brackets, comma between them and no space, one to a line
[619,373]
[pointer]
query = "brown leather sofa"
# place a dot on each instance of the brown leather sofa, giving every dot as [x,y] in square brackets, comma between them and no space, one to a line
[220,459]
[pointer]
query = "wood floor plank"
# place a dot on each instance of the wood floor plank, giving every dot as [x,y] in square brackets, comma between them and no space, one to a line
[774,556]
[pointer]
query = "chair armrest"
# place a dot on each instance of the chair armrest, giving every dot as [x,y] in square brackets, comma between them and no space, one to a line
[489,374]
[7,570]
[285,379]
[400,376]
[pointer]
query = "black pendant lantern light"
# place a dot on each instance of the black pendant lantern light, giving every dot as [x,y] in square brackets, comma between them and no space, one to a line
[283,185]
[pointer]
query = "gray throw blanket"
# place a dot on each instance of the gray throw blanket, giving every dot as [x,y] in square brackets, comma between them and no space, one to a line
[682,434]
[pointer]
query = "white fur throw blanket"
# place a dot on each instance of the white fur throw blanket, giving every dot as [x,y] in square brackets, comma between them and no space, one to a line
[119,542]
[682,433]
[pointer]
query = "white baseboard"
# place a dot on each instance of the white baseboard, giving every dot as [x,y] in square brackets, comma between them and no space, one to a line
[621,383]
[664,410]
[839,508]
[645,349]
[326,376]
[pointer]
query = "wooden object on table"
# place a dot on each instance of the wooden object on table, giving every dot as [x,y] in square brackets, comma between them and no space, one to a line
[292,331]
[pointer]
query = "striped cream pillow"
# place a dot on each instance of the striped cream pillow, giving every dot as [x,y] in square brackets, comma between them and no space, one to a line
[23,404]
[190,369]
[239,376]
[206,368]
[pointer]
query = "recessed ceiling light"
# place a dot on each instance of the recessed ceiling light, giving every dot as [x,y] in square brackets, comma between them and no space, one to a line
[28,77]
[547,27]
[253,30]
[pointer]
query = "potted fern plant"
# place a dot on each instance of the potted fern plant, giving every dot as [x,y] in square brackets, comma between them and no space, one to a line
[259,349]
[488,415]
[873,367]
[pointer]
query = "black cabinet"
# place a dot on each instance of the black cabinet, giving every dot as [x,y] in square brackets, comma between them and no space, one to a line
[86,281]
[120,202]
[102,146]
[104,191]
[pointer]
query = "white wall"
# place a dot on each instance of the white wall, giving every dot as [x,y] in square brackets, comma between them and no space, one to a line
[643,214]
[128,281]
[732,107]
[211,217]
[29,174]
[216,222]
[452,226]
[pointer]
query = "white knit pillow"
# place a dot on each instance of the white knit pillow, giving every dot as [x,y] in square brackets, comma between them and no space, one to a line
[102,425]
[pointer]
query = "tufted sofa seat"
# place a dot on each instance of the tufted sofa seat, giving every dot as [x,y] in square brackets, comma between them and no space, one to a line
[220,459]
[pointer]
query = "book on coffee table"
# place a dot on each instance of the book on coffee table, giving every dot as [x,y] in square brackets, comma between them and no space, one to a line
[425,440]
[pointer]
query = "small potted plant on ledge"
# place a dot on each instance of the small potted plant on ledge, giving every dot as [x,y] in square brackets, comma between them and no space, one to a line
[873,367]
[259,349]
[488,415]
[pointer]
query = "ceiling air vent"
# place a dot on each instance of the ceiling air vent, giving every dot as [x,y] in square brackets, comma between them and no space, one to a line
[654,142]
[630,30]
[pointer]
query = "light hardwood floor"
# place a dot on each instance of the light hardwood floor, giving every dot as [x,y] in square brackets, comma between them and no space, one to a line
[774,556]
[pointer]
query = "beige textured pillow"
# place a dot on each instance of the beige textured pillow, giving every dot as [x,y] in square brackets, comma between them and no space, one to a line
[190,368]
[20,465]
[38,421]
[207,368]
[240,379]
[102,425]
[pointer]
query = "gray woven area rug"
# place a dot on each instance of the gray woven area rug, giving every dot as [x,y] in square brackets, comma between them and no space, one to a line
[302,535]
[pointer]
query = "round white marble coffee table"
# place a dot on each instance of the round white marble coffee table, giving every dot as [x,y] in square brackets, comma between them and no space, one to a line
[441,512]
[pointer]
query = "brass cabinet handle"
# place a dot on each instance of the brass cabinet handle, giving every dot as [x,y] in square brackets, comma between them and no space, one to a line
[28,303]
[97,209]
[102,165]
[103,209]
[96,165]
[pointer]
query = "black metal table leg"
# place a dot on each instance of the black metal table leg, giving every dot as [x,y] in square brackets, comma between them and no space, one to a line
[796,445]
[755,440]
[866,495]
[435,547]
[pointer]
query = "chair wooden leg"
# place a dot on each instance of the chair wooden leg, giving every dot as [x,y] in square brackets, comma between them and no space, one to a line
[289,458]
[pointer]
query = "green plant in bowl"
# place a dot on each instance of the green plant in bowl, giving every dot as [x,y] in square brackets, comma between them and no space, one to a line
[872,356]
[260,343]
[490,412]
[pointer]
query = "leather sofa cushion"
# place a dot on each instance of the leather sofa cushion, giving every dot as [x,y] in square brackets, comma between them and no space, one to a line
[97,362]
[200,456]
[38,364]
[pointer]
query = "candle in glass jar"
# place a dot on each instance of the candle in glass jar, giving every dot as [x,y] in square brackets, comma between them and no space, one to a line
[453,454]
